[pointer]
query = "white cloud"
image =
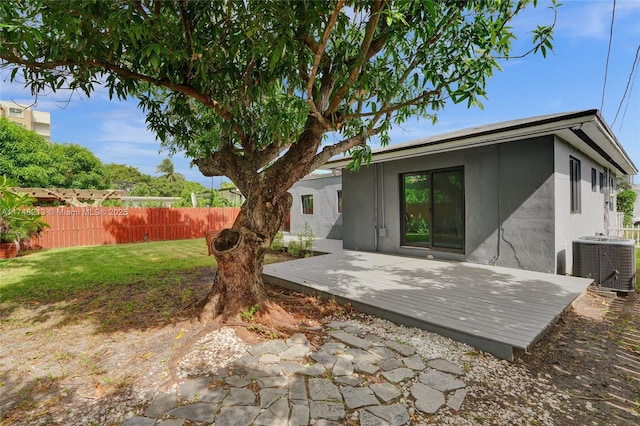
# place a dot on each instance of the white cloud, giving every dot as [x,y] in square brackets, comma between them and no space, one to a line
[122,130]
[592,19]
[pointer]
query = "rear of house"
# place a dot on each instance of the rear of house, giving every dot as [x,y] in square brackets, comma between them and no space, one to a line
[512,194]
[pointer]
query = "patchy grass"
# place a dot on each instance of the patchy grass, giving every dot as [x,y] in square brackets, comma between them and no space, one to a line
[118,286]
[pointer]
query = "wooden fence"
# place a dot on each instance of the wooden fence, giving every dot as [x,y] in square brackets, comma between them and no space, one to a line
[90,226]
[628,233]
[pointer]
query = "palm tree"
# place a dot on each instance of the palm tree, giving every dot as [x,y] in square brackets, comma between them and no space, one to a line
[167,170]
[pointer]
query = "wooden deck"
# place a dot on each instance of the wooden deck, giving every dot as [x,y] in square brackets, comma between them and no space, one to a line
[497,310]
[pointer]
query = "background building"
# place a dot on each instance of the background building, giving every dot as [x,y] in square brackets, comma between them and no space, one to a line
[24,115]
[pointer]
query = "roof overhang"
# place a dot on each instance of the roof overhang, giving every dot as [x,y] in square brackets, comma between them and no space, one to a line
[584,130]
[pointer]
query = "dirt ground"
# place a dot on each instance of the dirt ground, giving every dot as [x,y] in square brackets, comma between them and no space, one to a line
[593,354]
[51,367]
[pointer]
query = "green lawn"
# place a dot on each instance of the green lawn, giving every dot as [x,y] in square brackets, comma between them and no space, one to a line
[54,275]
[117,285]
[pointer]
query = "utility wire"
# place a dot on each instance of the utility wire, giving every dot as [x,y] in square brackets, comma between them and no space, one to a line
[626,89]
[606,67]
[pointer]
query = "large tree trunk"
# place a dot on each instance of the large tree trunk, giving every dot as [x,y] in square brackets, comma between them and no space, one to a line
[240,252]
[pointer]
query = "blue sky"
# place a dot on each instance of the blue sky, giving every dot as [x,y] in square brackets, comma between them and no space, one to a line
[571,78]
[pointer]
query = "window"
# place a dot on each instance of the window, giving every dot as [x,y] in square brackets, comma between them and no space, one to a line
[307,204]
[574,175]
[16,112]
[594,181]
[601,179]
[339,201]
[433,209]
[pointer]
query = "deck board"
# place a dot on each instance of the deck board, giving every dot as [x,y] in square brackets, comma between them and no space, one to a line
[495,309]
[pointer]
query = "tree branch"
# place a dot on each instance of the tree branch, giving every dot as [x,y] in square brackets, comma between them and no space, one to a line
[316,63]
[123,73]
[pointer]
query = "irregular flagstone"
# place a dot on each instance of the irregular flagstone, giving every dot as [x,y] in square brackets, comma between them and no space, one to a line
[290,367]
[190,388]
[334,348]
[337,324]
[428,400]
[171,422]
[238,382]
[296,352]
[349,380]
[299,415]
[244,360]
[455,401]
[212,395]
[298,390]
[373,338]
[358,397]
[326,410]
[395,414]
[297,339]
[256,371]
[385,391]
[139,421]
[269,359]
[382,352]
[445,366]
[273,382]
[343,367]
[441,381]
[314,370]
[398,375]
[324,358]
[199,412]
[354,330]
[268,347]
[237,416]
[390,364]
[402,348]
[365,367]
[414,362]
[239,396]
[368,419]
[162,403]
[350,339]
[276,415]
[323,390]
[271,395]
[359,355]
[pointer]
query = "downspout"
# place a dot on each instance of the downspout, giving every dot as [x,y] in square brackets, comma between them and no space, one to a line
[497,256]
[375,209]
[384,226]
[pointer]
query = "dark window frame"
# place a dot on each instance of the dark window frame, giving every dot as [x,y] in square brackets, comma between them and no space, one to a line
[574,182]
[431,245]
[339,193]
[594,180]
[601,182]
[307,203]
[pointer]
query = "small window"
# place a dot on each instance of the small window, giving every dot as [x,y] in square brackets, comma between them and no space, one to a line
[307,204]
[601,179]
[16,112]
[339,201]
[574,174]
[594,180]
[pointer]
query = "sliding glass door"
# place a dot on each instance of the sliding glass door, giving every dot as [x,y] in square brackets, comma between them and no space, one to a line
[433,209]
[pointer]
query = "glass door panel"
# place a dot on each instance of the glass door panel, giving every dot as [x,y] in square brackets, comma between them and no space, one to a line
[417,203]
[448,209]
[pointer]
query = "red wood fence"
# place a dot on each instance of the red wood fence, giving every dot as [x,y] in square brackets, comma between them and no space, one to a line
[91,226]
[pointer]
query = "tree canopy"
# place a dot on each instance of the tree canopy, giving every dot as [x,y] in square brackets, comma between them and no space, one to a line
[264,92]
[31,161]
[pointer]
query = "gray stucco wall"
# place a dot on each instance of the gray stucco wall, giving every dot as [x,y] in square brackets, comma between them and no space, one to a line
[325,222]
[591,218]
[509,214]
